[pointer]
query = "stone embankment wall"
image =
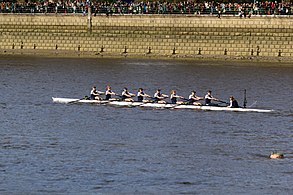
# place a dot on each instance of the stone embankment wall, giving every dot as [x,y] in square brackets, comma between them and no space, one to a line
[149,35]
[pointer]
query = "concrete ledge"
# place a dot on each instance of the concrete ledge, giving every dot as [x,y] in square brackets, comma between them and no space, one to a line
[282,60]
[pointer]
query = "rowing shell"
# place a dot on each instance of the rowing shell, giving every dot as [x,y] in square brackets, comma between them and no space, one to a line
[157,105]
[123,103]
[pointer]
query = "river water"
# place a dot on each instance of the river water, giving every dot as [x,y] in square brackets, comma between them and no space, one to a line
[55,148]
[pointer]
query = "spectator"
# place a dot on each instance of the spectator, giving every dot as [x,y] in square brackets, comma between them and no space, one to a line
[147,7]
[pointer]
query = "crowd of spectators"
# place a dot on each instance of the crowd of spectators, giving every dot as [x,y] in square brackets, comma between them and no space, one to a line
[148,7]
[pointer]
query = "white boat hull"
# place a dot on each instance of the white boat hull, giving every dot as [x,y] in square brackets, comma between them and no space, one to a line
[71,100]
[122,103]
[217,108]
[157,105]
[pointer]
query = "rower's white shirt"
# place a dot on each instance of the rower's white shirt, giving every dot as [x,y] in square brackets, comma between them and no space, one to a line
[93,92]
[207,96]
[126,93]
[231,103]
[173,95]
[140,93]
[157,95]
[193,97]
[108,91]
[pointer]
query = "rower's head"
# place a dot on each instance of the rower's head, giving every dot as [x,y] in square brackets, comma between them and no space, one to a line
[193,92]
[125,89]
[232,98]
[173,92]
[209,92]
[159,90]
[108,87]
[140,89]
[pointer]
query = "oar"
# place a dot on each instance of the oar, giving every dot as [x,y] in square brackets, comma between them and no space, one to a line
[151,99]
[75,101]
[186,101]
[78,100]
[254,103]
[222,102]
[118,95]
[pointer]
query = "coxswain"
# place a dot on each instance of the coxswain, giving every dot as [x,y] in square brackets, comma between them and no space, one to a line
[233,103]
[95,95]
[193,99]
[174,96]
[159,97]
[209,98]
[126,95]
[109,93]
[141,96]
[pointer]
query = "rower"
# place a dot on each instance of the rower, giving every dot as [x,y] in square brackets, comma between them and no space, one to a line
[233,103]
[141,96]
[193,99]
[126,95]
[94,94]
[159,97]
[174,96]
[109,93]
[208,99]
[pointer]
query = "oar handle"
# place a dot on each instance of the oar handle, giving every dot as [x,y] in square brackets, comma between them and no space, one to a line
[222,102]
[75,101]
[118,95]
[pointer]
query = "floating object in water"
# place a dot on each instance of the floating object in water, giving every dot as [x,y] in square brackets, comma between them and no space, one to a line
[276,155]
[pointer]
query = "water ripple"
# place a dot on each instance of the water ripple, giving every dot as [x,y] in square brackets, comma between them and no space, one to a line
[89,149]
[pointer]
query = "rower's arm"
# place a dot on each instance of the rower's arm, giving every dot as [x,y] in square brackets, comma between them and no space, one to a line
[159,97]
[207,97]
[211,98]
[178,96]
[95,93]
[129,95]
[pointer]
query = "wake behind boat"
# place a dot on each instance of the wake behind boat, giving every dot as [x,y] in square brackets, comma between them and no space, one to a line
[157,105]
